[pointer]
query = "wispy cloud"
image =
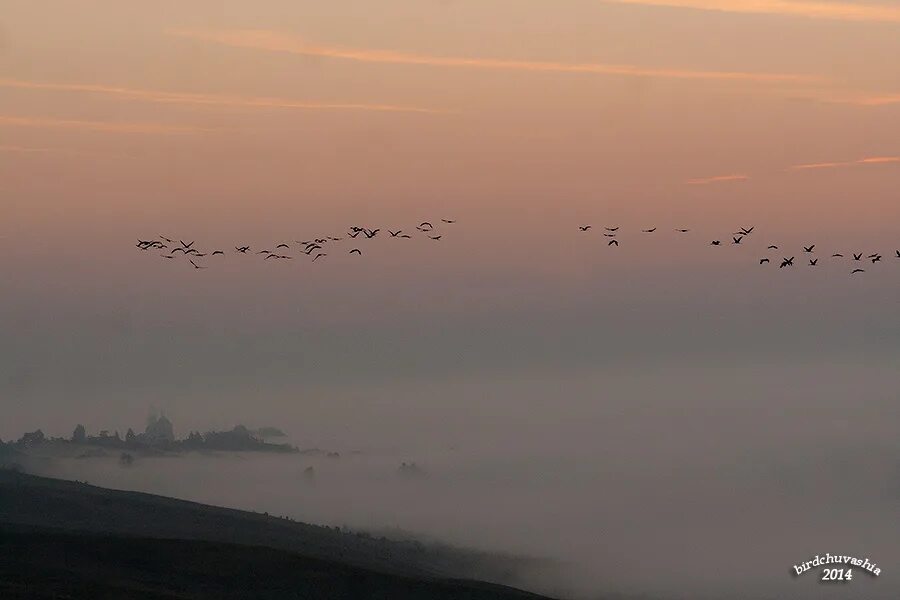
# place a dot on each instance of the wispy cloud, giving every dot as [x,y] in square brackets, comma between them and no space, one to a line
[872,160]
[26,150]
[205,99]
[876,160]
[860,99]
[717,179]
[835,11]
[101,126]
[273,41]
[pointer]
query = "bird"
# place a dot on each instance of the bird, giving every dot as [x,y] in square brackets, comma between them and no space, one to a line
[682,230]
[395,233]
[808,248]
[649,230]
[406,235]
[857,256]
[186,245]
[354,234]
[174,250]
[264,252]
[318,256]
[787,262]
[242,249]
[715,243]
[876,259]
[745,231]
[357,251]
[898,253]
[196,266]
[611,242]
[425,225]
[857,271]
[448,220]
[218,252]
[435,237]
[584,227]
[612,228]
[282,246]
[167,256]
[737,240]
[837,255]
[772,247]
[813,262]
[162,237]
[609,235]
[763,260]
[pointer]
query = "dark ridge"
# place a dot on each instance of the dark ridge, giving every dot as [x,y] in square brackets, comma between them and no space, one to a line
[72,507]
[44,564]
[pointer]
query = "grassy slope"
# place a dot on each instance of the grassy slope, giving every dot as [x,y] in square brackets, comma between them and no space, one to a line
[134,541]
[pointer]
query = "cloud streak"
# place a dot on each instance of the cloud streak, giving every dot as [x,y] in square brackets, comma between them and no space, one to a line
[205,99]
[872,160]
[99,126]
[717,179]
[273,41]
[835,11]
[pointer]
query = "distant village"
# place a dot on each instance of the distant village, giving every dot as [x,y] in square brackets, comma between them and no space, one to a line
[159,435]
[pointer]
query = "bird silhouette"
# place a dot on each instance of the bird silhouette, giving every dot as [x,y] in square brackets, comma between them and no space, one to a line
[787,262]
[857,256]
[394,233]
[318,256]
[186,245]
[162,237]
[898,253]
[612,228]
[435,237]
[876,259]
[772,247]
[218,252]
[448,220]
[813,262]
[737,240]
[649,230]
[763,260]
[282,246]
[611,242]
[715,243]
[745,231]
[196,266]
[837,255]
[242,249]
[357,251]
[584,227]
[682,230]
[857,271]
[809,248]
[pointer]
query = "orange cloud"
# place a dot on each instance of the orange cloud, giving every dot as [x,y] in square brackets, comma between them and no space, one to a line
[203,99]
[717,179]
[824,165]
[872,160]
[837,11]
[102,126]
[278,42]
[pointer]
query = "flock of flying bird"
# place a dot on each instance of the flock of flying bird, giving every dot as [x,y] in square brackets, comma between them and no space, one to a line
[169,248]
[738,236]
[316,248]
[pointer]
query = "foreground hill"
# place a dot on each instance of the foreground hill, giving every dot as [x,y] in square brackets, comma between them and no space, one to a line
[71,540]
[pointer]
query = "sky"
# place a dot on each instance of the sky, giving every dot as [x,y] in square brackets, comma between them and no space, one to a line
[234,123]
